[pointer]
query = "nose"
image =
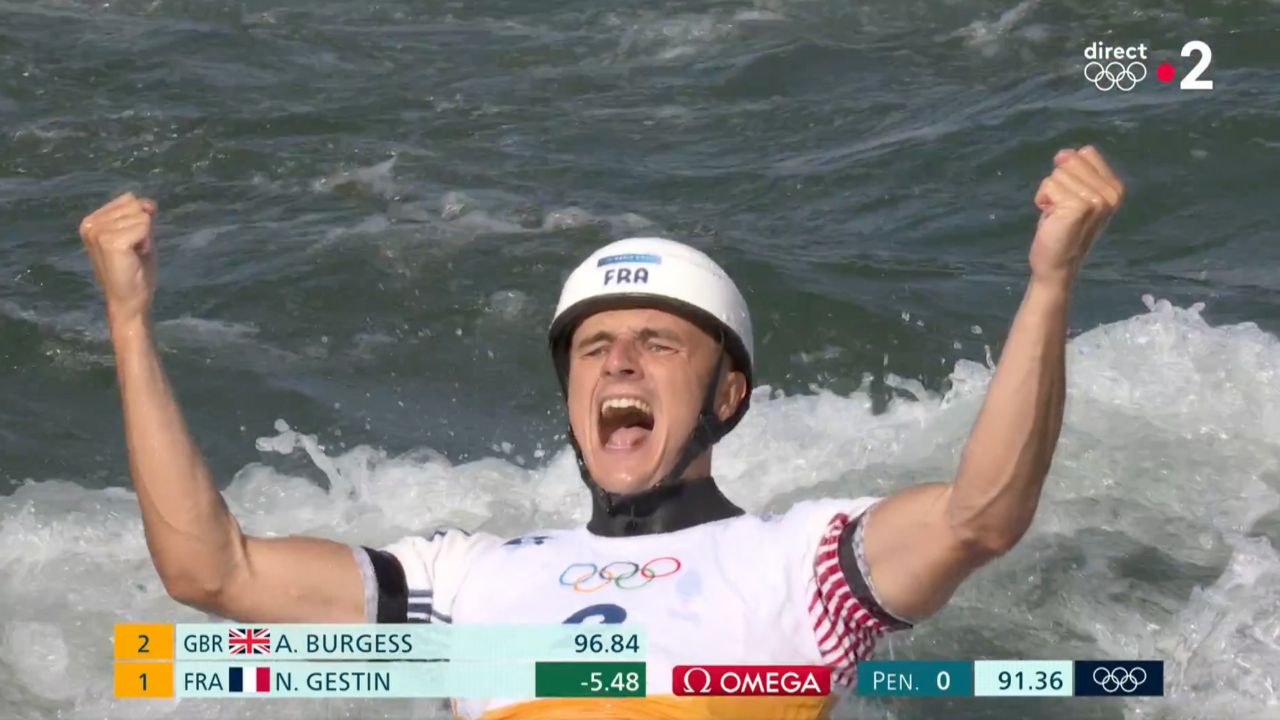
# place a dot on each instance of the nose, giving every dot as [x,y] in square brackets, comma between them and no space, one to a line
[623,359]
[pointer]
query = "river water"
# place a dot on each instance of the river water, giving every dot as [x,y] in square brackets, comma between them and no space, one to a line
[367,209]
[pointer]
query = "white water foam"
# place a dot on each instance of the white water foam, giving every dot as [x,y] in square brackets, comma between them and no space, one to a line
[1151,540]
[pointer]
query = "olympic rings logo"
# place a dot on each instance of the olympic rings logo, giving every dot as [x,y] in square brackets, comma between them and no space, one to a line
[1115,75]
[1119,678]
[623,574]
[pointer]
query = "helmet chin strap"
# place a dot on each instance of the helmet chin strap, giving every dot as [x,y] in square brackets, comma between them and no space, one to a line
[707,431]
[708,504]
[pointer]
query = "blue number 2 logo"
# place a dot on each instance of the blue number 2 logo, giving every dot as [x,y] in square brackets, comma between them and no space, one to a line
[608,613]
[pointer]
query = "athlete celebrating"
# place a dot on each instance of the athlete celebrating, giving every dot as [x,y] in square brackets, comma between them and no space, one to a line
[653,346]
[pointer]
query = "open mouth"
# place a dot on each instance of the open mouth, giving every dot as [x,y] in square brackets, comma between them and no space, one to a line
[625,422]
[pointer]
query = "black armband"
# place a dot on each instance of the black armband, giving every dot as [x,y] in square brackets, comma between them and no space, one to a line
[854,569]
[393,590]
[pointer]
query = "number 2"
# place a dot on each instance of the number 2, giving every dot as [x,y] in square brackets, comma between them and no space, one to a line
[1192,81]
[143,648]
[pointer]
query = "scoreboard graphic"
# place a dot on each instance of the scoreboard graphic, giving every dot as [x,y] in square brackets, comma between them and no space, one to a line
[378,661]
[539,661]
[1011,678]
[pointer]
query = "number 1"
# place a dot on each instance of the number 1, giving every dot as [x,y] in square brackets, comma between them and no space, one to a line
[144,681]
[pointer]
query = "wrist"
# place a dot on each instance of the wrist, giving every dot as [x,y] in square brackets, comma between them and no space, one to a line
[1048,294]
[1052,285]
[127,328]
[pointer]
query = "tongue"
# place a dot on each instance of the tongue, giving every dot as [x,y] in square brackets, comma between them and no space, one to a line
[625,438]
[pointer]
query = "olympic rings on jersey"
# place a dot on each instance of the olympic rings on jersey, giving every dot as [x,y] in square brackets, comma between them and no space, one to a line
[1119,678]
[1115,75]
[622,574]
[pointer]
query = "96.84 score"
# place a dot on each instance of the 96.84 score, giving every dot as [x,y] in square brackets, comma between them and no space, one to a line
[616,643]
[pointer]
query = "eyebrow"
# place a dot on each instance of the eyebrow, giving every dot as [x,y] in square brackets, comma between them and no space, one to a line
[647,333]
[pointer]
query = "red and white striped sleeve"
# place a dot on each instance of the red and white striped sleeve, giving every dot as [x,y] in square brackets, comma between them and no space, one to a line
[847,618]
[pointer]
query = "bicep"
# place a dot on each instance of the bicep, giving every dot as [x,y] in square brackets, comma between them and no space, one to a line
[914,557]
[293,579]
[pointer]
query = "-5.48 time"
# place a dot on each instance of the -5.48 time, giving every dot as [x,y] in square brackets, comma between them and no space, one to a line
[614,643]
[622,682]
[1038,680]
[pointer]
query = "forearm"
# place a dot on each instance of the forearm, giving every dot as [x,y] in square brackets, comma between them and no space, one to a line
[923,541]
[195,543]
[193,539]
[1010,447]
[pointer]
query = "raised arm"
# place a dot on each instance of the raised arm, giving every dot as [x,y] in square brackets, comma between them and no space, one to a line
[196,545]
[921,543]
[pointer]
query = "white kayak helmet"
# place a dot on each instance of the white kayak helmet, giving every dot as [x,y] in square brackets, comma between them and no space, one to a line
[651,272]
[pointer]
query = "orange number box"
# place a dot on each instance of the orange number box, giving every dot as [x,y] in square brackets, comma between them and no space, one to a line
[144,680]
[144,641]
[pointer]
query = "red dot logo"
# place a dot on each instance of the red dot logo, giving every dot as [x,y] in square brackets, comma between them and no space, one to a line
[1165,72]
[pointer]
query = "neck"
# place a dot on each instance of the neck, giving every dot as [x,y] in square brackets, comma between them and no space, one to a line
[665,508]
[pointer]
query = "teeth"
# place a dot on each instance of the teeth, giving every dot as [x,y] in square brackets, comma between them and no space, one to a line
[624,403]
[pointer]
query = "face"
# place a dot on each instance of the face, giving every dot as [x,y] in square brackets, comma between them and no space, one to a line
[637,379]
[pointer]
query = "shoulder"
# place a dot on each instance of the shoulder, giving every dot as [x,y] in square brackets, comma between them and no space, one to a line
[441,544]
[796,535]
[415,578]
[810,520]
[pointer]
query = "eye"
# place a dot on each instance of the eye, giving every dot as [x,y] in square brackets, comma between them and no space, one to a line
[660,348]
[594,351]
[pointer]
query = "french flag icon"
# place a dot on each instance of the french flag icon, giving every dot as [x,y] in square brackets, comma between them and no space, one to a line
[250,680]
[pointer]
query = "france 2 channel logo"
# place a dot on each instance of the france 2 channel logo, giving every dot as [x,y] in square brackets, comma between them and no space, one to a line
[1123,67]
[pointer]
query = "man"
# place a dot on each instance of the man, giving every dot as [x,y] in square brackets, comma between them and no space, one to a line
[654,350]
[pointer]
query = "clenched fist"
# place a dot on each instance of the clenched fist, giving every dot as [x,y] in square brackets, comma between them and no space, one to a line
[117,237]
[1075,201]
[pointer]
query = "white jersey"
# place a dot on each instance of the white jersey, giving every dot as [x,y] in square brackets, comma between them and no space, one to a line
[745,590]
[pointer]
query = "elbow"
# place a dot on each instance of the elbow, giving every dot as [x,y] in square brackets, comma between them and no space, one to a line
[192,592]
[201,578]
[201,593]
[983,544]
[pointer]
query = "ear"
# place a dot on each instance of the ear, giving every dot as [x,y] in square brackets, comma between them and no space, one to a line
[733,388]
